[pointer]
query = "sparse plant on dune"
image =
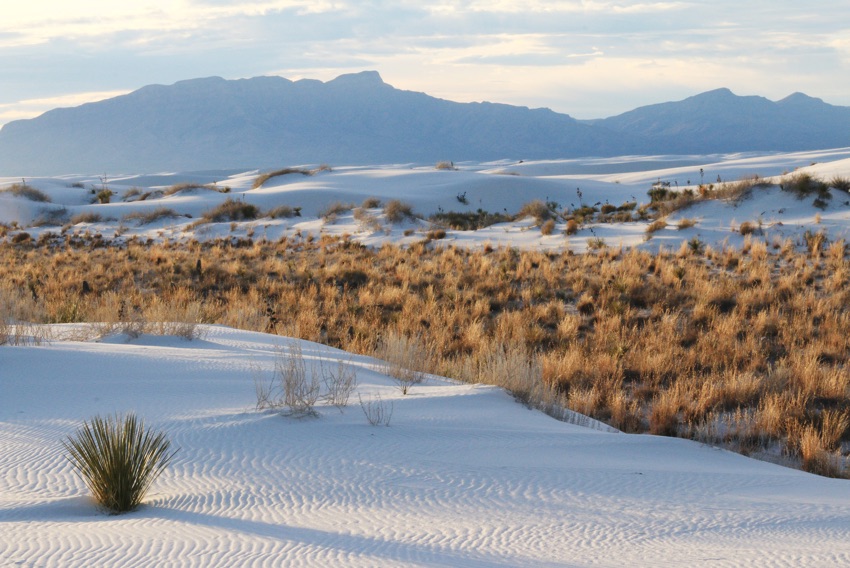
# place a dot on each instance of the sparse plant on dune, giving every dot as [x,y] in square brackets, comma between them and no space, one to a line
[86,217]
[152,216]
[405,358]
[397,211]
[231,210]
[536,209]
[263,178]
[27,192]
[378,412]
[118,459]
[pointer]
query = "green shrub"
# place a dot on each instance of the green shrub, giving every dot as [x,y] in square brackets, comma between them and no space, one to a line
[118,459]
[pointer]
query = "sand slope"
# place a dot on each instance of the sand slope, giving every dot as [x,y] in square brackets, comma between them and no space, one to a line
[463,476]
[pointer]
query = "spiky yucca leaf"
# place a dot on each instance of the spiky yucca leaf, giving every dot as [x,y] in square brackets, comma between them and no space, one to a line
[118,459]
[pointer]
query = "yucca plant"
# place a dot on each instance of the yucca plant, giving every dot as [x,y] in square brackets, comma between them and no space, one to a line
[118,459]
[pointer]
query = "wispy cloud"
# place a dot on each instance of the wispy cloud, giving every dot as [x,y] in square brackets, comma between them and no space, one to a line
[613,54]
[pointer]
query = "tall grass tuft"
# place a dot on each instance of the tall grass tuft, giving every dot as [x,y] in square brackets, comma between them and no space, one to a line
[118,459]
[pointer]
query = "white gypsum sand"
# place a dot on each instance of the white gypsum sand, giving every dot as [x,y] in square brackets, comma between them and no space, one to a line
[497,188]
[463,476]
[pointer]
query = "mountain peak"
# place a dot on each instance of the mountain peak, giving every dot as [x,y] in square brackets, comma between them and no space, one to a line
[799,99]
[363,78]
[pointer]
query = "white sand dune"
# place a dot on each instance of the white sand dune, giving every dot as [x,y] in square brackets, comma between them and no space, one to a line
[496,187]
[463,475]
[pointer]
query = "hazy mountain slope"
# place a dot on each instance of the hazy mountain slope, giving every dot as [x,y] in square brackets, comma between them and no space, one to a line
[358,119]
[720,121]
[268,121]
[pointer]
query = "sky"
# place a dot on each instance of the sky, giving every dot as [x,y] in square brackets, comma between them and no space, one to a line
[589,59]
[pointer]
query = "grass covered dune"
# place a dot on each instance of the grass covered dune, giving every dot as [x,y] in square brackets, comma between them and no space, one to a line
[463,476]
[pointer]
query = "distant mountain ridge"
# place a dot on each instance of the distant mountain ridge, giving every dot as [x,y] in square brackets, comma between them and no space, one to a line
[720,121]
[213,123]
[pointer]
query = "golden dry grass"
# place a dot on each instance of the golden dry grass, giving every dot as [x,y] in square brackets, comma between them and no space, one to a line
[747,350]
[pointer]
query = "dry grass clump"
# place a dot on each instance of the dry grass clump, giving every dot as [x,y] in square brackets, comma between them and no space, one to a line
[803,185]
[656,226]
[840,183]
[548,227]
[397,211]
[445,165]
[118,459]
[27,192]
[188,186]
[263,178]
[536,209]
[468,221]
[152,216]
[743,349]
[371,203]
[332,210]
[231,210]
[686,224]
[86,217]
[284,212]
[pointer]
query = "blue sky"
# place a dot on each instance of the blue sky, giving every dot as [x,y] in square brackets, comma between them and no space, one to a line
[589,59]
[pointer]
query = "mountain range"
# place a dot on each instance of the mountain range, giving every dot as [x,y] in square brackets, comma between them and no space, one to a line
[213,123]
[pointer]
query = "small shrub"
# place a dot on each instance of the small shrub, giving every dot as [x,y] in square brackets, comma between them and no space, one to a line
[51,218]
[21,237]
[263,178]
[284,212]
[329,213]
[747,228]
[118,459]
[396,211]
[445,165]
[371,203]
[656,226]
[231,210]
[572,227]
[803,185]
[840,183]
[147,217]
[436,234]
[608,208]
[133,192]
[104,196]
[469,221]
[366,220]
[547,227]
[340,381]
[686,223]
[596,243]
[405,358]
[86,217]
[377,411]
[536,209]
[27,192]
